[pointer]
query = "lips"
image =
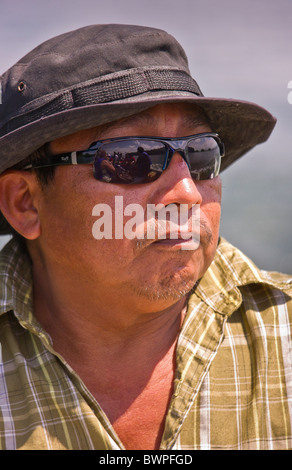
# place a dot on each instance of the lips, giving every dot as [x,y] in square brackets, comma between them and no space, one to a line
[170,234]
[179,241]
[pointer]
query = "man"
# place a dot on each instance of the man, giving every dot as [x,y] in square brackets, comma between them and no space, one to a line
[131,342]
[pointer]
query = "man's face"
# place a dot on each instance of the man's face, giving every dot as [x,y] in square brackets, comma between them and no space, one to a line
[156,271]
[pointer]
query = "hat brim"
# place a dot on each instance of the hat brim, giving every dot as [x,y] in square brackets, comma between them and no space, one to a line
[241,125]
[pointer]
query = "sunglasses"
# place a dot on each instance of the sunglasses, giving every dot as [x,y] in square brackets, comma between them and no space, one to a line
[136,160]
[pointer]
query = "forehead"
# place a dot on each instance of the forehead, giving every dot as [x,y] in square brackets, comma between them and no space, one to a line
[165,120]
[185,114]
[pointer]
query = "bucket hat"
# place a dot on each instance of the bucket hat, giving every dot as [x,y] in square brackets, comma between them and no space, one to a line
[100,73]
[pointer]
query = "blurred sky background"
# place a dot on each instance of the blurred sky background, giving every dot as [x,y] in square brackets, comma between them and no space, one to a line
[236,49]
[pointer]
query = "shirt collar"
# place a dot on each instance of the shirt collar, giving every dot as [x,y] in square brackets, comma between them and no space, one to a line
[16,285]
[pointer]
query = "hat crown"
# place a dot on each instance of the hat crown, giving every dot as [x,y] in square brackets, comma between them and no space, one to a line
[82,55]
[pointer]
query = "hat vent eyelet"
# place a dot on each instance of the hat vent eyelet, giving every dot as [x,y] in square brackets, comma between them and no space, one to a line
[21,86]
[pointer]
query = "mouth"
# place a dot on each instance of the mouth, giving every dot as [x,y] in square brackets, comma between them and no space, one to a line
[178,244]
[179,241]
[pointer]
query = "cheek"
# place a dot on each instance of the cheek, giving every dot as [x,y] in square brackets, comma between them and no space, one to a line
[212,189]
[211,192]
[102,210]
[210,217]
[63,209]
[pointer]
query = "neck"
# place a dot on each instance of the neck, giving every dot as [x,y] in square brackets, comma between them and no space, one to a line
[82,321]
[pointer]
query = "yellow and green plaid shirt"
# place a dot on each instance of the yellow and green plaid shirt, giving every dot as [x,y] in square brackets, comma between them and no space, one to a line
[233,386]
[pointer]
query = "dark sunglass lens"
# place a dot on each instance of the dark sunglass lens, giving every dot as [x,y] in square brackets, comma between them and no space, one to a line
[204,157]
[130,161]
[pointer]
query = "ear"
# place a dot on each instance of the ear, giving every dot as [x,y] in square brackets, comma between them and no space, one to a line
[18,197]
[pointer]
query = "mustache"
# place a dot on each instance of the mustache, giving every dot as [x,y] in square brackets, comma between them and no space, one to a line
[203,233]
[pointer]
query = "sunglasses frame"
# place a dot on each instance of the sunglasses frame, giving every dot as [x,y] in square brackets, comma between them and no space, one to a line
[173,145]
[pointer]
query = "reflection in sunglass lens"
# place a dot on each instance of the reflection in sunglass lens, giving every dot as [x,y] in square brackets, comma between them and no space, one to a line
[133,161]
[204,158]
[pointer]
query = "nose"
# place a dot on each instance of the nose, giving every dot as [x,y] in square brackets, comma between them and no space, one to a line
[176,186]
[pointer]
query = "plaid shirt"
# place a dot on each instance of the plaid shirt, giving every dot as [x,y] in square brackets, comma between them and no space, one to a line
[233,386]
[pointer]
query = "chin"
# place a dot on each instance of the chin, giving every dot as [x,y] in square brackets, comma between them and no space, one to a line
[178,274]
[172,287]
